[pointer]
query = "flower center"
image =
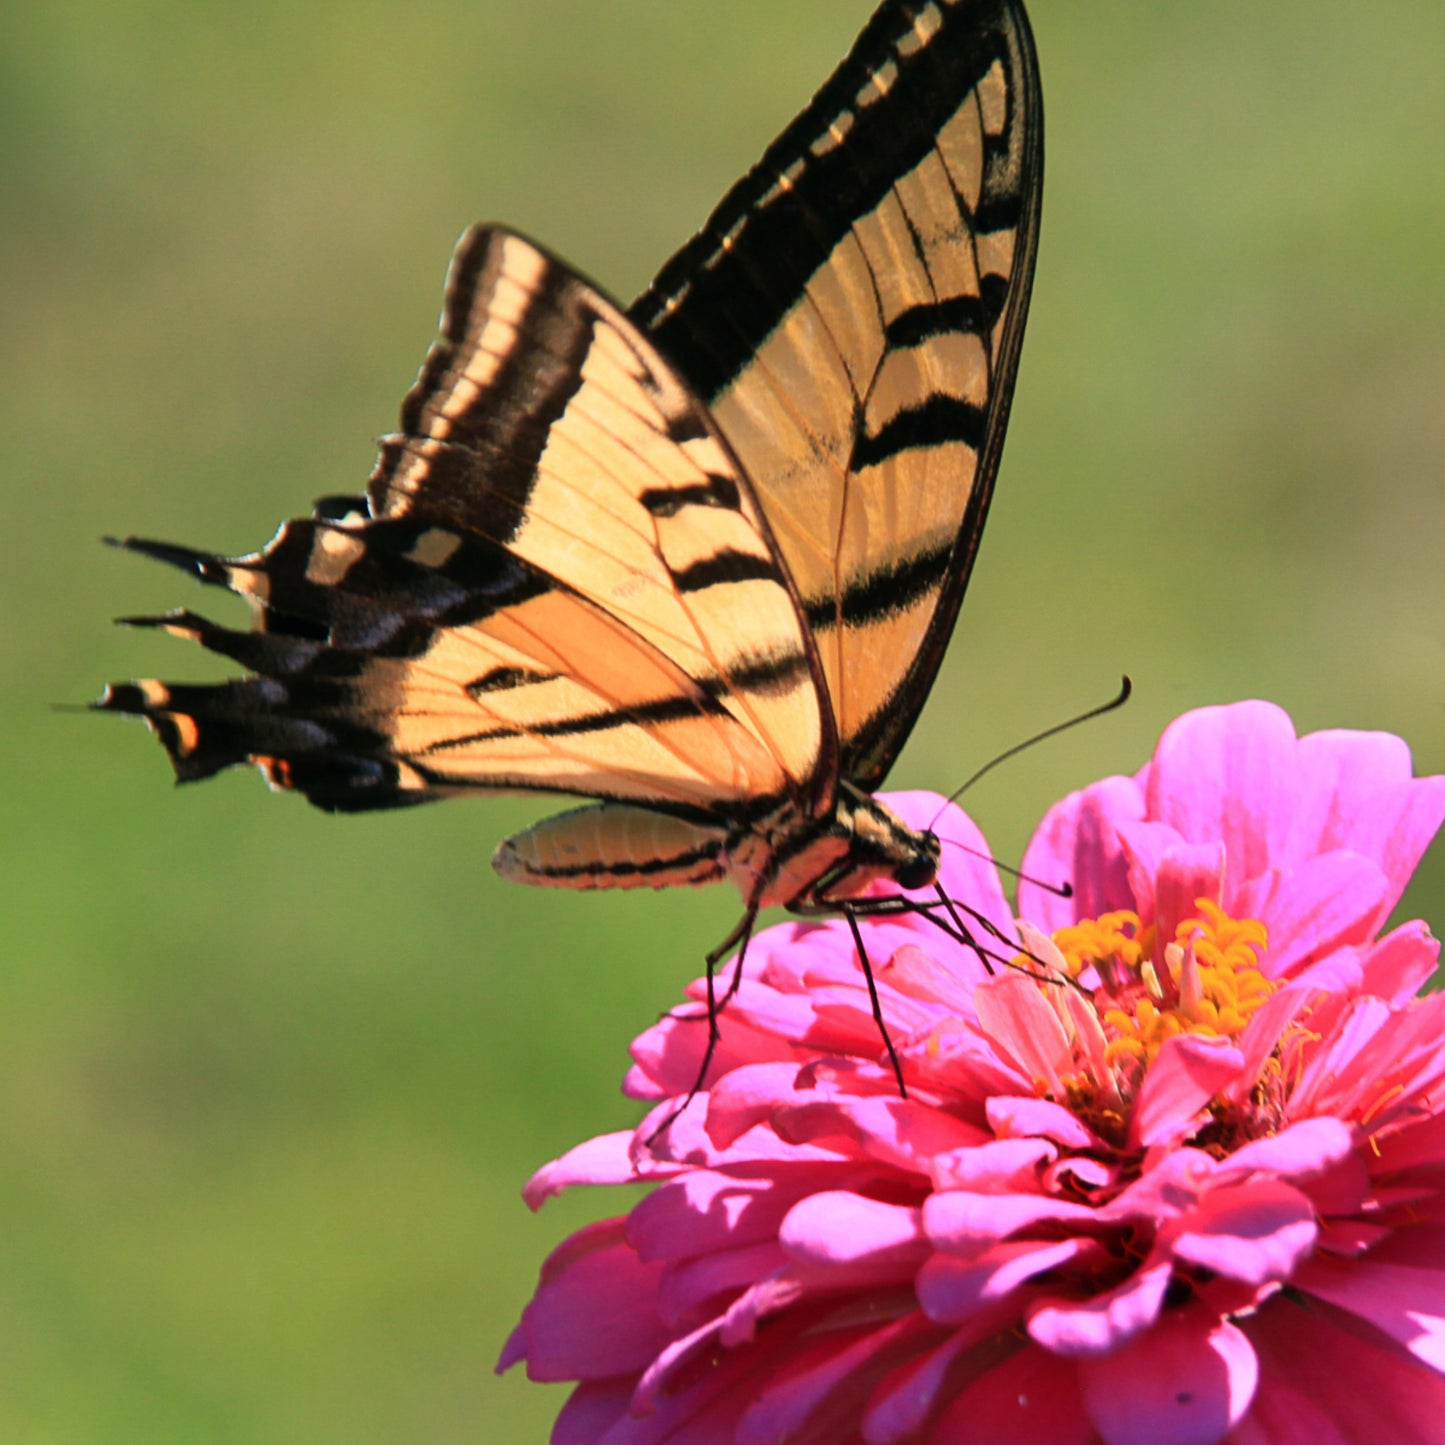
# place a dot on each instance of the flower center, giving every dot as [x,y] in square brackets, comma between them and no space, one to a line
[1110,993]
[1207,979]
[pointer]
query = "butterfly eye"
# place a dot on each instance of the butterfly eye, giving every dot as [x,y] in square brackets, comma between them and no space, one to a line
[918,872]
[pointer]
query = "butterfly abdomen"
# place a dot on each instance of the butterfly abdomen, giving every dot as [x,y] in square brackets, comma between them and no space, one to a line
[613,845]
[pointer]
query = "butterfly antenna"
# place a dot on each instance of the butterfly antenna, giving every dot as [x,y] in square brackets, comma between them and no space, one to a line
[1059,890]
[1126,687]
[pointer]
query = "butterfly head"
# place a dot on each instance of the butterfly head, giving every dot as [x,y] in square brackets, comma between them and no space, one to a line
[880,846]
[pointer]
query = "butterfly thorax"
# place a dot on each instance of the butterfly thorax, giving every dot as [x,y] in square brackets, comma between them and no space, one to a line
[802,863]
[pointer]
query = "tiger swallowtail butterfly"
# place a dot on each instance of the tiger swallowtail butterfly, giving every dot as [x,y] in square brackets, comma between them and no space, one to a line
[696,561]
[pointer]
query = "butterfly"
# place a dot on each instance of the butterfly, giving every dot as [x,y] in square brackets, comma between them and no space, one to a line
[696,561]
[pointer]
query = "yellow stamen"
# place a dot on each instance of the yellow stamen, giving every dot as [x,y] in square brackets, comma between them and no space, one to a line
[1210,982]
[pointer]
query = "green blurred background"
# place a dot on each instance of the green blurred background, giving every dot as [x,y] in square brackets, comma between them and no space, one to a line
[270,1082]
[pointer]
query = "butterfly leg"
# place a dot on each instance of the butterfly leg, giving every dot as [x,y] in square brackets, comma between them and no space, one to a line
[850,914]
[739,939]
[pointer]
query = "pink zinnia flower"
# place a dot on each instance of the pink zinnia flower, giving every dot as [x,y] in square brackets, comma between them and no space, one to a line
[1176,1175]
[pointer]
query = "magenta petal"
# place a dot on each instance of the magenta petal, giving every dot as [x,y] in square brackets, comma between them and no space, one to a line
[606,1159]
[1399,1287]
[1188,1071]
[592,1409]
[1186,1382]
[595,1312]
[1024,1399]
[904,1400]
[819,1394]
[1102,1324]
[1254,1233]
[1320,1366]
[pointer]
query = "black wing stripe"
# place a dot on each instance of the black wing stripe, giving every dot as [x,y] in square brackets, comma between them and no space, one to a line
[509,419]
[723,568]
[977,315]
[934,422]
[759,676]
[891,588]
[729,311]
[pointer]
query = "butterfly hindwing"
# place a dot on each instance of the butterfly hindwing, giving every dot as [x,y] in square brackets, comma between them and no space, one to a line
[561,582]
[852,314]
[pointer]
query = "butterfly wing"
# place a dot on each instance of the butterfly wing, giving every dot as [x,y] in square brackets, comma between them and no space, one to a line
[852,314]
[559,581]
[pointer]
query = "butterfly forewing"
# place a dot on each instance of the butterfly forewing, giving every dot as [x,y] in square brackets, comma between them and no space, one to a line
[852,313]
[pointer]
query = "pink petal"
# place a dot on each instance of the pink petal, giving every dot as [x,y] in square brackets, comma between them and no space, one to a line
[1006,1166]
[954,1291]
[1228,774]
[1077,843]
[1319,905]
[1014,1117]
[1188,1071]
[838,1227]
[1302,1152]
[1253,1233]
[1024,1030]
[1145,846]
[706,1209]
[1185,874]
[1374,807]
[904,1133]
[1262,1033]
[694,1288]
[1082,1329]
[1397,967]
[1170,1185]
[747,1096]
[1186,1382]
[961,1222]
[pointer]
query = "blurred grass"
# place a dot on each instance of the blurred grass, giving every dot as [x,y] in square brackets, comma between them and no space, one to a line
[270,1082]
